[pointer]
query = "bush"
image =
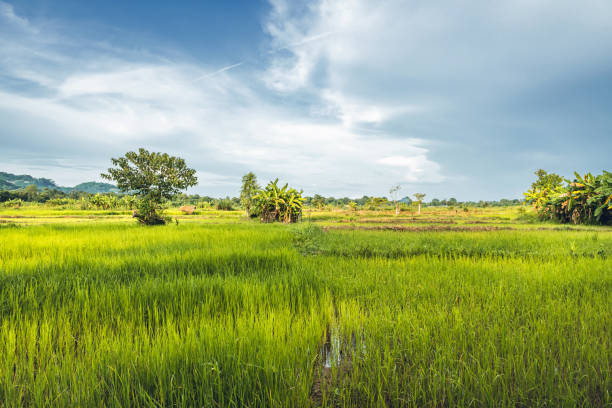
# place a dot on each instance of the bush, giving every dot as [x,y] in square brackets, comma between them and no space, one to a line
[151,213]
[56,202]
[525,216]
[225,204]
[308,239]
[14,203]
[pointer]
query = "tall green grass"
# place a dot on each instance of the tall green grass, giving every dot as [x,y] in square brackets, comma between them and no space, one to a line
[114,314]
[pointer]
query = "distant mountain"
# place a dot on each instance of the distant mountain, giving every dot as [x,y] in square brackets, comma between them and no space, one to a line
[24,180]
[6,185]
[95,187]
[10,181]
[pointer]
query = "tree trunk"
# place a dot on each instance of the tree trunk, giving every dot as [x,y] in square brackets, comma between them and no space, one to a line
[397,208]
[419,208]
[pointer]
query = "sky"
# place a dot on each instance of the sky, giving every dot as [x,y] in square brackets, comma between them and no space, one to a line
[461,99]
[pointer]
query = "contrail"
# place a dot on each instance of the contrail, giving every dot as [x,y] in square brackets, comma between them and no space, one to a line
[217,72]
[313,38]
[305,41]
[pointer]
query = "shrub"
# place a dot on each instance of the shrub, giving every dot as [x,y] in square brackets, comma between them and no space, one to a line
[225,204]
[151,213]
[14,203]
[308,239]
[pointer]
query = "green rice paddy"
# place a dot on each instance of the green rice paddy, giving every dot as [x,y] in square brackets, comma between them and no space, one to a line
[223,312]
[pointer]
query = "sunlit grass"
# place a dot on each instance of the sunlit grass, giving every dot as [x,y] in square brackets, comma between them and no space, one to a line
[231,313]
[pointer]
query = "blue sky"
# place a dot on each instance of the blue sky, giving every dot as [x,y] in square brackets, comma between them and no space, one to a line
[460,99]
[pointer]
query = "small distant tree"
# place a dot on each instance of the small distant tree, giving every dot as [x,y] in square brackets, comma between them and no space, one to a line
[31,188]
[419,199]
[393,193]
[31,192]
[318,201]
[248,192]
[154,177]
[375,203]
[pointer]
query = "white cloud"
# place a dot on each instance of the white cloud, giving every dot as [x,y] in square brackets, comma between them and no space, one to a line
[393,49]
[224,123]
[352,99]
[416,169]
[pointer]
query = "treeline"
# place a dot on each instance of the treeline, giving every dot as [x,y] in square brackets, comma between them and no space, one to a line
[85,200]
[585,199]
[367,202]
[107,201]
[34,195]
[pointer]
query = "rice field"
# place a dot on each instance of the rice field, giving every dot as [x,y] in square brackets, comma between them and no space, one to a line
[219,311]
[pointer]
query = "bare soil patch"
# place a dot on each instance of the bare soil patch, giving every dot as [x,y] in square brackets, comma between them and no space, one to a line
[399,221]
[421,228]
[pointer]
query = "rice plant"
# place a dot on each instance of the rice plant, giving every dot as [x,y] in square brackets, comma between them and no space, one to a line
[235,313]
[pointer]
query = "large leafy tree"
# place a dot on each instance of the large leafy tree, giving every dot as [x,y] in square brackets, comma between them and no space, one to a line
[249,190]
[153,177]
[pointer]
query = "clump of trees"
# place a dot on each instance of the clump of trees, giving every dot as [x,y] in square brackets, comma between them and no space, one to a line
[283,204]
[272,203]
[154,178]
[586,199]
[33,194]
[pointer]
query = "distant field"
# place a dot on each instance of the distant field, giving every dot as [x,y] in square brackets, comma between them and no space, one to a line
[446,308]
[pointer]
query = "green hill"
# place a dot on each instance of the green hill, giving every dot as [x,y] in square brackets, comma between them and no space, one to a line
[6,185]
[24,180]
[95,187]
[10,181]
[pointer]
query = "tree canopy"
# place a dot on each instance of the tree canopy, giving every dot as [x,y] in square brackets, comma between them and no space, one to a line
[154,177]
[152,174]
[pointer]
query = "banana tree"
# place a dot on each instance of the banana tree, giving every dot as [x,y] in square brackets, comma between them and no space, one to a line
[293,206]
[585,199]
[97,201]
[604,192]
[275,203]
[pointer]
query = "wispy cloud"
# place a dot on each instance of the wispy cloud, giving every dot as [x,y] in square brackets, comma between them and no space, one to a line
[476,80]
[307,40]
[8,14]
[350,97]
[224,124]
[217,72]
